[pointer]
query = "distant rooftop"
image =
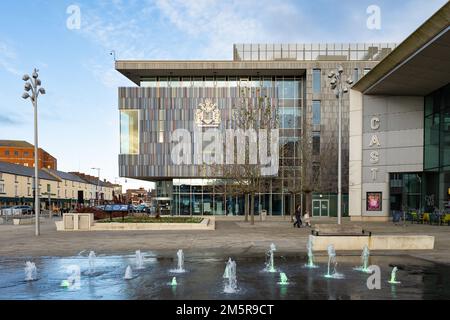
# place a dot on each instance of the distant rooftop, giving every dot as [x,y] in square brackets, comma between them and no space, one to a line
[11,168]
[66,175]
[312,51]
[15,143]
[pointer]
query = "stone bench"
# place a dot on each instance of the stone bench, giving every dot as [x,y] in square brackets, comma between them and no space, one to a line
[339,230]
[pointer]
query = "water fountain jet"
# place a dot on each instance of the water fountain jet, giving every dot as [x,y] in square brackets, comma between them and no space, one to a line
[365,260]
[231,285]
[310,248]
[270,264]
[332,263]
[128,273]
[139,260]
[283,279]
[30,271]
[393,276]
[92,258]
[180,263]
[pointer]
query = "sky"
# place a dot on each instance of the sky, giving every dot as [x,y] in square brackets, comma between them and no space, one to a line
[79,118]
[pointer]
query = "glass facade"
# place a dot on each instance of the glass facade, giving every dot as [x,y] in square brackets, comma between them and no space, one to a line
[405,191]
[201,196]
[312,51]
[129,132]
[437,149]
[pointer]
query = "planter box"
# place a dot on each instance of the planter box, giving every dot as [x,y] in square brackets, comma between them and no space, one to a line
[69,223]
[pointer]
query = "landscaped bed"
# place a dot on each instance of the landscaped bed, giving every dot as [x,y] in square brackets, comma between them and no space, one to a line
[131,219]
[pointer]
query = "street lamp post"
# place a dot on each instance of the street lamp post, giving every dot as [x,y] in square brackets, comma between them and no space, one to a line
[33,86]
[97,193]
[339,87]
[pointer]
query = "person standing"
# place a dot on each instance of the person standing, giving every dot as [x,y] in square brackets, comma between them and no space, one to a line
[307,219]
[298,215]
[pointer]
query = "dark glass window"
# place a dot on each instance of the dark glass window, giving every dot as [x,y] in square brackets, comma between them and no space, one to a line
[316,87]
[316,112]
[316,143]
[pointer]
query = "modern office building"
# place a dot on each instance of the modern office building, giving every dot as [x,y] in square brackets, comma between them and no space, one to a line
[22,153]
[400,127]
[169,95]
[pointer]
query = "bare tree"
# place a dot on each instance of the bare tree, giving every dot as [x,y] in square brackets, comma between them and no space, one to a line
[253,113]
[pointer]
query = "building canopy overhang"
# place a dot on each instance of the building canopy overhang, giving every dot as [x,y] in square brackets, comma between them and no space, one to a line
[135,70]
[418,66]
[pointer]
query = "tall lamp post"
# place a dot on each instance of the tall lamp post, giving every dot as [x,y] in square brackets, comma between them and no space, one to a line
[97,194]
[32,91]
[338,85]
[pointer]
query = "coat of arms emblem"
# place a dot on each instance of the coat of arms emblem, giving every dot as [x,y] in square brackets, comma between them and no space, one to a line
[207,114]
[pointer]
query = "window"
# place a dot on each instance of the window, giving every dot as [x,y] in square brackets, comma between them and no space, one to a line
[26,153]
[6,152]
[316,112]
[1,176]
[316,81]
[29,191]
[129,132]
[16,153]
[48,188]
[316,143]
[2,188]
[16,191]
[355,76]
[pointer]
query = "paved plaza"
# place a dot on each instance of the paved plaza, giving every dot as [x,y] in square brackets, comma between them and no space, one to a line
[232,237]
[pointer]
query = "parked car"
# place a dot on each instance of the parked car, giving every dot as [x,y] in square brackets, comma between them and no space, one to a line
[20,210]
[141,208]
[5,211]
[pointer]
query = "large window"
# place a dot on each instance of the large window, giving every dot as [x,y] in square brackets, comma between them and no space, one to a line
[316,112]
[316,80]
[129,132]
[437,149]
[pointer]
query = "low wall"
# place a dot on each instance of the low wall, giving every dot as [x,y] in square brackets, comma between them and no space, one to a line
[377,242]
[205,224]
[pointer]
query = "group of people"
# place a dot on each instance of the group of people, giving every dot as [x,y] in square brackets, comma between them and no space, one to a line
[298,218]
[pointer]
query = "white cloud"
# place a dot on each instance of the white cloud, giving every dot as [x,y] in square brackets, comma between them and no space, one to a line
[220,24]
[8,59]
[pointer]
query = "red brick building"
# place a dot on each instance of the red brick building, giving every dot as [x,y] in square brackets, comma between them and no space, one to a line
[22,153]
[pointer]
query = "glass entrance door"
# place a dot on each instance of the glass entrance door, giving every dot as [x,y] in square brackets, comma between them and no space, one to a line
[321,208]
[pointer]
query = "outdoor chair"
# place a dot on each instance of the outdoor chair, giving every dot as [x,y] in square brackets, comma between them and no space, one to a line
[435,218]
[445,219]
[415,217]
[396,216]
[425,218]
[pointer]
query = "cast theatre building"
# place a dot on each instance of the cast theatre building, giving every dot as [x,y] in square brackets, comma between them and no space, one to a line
[400,127]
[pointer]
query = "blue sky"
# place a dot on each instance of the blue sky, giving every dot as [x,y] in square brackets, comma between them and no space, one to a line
[79,118]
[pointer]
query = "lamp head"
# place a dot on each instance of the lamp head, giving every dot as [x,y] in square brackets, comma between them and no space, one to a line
[25,95]
[27,86]
[350,81]
[42,91]
[340,69]
[35,74]
[26,77]
[331,74]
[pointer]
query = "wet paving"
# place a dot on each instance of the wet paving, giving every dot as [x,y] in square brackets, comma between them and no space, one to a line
[203,278]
